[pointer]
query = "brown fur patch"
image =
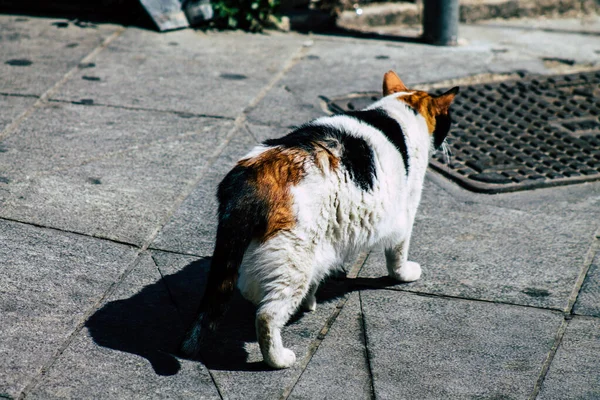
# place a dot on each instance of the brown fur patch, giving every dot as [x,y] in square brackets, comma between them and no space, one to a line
[430,106]
[422,103]
[276,170]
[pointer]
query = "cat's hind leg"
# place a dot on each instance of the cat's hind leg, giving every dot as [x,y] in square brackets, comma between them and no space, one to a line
[398,265]
[281,301]
[310,301]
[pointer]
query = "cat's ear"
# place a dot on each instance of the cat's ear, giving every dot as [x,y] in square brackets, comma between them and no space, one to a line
[393,84]
[442,116]
[444,100]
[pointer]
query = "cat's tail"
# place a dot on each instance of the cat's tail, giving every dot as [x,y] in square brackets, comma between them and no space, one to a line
[222,279]
[241,218]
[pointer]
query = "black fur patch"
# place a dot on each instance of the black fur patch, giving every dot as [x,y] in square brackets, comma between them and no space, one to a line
[356,154]
[442,128]
[381,121]
[239,202]
[242,216]
[357,157]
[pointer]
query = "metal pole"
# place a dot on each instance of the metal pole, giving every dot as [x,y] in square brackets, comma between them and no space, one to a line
[440,22]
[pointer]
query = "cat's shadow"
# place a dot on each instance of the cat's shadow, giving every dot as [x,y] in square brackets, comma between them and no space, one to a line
[152,322]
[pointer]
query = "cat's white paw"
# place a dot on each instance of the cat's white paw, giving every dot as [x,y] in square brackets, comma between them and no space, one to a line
[284,359]
[411,271]
[309,303]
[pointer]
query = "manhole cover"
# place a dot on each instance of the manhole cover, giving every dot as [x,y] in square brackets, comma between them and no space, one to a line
[518,135]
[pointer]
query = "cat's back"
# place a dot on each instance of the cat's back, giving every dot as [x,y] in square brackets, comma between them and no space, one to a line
[356,147]
[336,175]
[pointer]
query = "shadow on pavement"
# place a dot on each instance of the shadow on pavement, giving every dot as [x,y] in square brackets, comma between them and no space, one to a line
[353,33]
[152,323]
[84,14]
[146,324]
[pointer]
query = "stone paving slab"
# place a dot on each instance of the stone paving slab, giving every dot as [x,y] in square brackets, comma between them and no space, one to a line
[454,349]
[48,280]
[327,376]
[136,191]
[115,173]
[575,371]
[552,43]
[126,348]
[12,107]
[193,227]
[588,300]
[62,135]
[37,52]
[481,251]
[208,73]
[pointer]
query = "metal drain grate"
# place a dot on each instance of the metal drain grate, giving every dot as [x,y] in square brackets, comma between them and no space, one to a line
[518,135]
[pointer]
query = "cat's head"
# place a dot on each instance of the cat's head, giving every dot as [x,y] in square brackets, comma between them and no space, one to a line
[435,109]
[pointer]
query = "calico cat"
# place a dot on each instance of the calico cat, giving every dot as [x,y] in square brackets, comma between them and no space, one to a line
[297,207]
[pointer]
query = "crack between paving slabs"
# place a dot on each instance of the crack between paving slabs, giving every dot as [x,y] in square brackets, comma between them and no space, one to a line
[29,96]
[447,296]
[549,358]
[133,108]
[11,128]
[41,226]
[171,296]
[587,263]
[386,39]
[568,315]
[366,344]
[247,127]
[314,345]
[177,252]
[238,124]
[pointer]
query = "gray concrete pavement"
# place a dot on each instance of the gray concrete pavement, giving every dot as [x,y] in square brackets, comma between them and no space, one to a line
[112,142]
